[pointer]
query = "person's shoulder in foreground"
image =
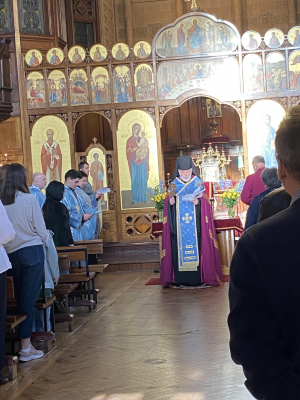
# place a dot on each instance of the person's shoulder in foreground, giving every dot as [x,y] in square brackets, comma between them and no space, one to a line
[264,301]
[273,203]
[264,286]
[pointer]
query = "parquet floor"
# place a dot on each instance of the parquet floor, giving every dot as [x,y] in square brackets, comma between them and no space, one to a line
[141,343]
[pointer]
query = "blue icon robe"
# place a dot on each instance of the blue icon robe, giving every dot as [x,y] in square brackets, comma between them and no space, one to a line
[71,201]
[39,195]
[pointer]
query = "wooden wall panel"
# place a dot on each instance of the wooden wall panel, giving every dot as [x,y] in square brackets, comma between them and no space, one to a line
[89,126]
[189,124]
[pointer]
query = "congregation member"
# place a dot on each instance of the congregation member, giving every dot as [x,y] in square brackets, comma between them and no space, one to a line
[25,251]
[189,226]
[271,182]
[39,182]
[7,234]
[90,227]
[264,286]
[254,185]
[56,215]
[71,201]
[273,203]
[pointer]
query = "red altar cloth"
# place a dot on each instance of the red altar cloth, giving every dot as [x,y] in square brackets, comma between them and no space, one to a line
[229,224]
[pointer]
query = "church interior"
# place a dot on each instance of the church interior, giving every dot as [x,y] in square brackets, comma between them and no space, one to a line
[128,86]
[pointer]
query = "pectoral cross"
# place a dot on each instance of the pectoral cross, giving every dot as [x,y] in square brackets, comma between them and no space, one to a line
[187,218]
[94,140]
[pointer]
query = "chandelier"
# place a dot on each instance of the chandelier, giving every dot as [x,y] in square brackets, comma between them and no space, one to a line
[212,157]
[193,5]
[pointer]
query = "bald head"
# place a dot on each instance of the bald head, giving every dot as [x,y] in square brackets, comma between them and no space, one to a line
[39,180]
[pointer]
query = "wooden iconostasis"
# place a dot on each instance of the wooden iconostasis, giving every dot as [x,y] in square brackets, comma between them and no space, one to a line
[184,128]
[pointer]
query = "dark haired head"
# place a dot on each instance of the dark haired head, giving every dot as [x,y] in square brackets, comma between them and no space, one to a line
[55,191]
[15,181]
[72,174]
[82,164]
[83,174]
[2,176]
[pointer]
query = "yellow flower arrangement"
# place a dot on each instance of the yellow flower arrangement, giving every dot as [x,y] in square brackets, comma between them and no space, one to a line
[229,198]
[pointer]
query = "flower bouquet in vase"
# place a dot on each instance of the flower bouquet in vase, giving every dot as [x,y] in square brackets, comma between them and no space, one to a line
[157,195]
[229,199]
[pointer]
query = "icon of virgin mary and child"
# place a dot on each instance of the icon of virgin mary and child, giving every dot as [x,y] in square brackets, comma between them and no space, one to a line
[137,152]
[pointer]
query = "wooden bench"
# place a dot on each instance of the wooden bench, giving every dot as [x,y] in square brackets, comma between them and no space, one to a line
[93,247]
[84,278]
[11,363]
[62,291]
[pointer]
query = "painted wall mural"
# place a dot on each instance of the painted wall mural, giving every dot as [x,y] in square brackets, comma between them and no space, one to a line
[251,40]
[97,176]
[100,86]
[76,54]
[294,36]
[274,38]
[35,90]
[144,83]
[263,121]
[79,91]
[57,89]
[122,84]
[275,72]
[50,148]
[5,16]
[253,73]
[138,160]
[33,58]
[218,76]
[98,52]
[196,35]
[31,16]
[294,68]
[55,56]
[120,51]
[142,50]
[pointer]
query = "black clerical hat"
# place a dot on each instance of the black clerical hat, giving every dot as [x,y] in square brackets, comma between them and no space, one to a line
[184,163]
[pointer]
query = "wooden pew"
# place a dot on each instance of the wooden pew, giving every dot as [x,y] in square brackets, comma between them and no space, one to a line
[84,278]
[93,247]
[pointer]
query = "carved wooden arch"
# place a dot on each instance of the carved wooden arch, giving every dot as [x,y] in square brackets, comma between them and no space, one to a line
[150,111]
[77,116]
[183,98]
[34,118]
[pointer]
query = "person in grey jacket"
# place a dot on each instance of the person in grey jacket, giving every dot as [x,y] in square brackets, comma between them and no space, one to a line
[25,251]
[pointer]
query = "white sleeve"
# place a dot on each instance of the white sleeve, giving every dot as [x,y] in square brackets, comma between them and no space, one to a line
[7,232]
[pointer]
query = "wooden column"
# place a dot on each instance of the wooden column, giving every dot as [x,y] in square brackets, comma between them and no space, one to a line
[179,8]
[292,10]
[129,22]
[238,15]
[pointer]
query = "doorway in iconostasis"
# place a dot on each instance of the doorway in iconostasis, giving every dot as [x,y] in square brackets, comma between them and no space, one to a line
[196,123]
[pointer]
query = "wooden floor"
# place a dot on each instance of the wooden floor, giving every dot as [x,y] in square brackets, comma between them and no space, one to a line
[142,342]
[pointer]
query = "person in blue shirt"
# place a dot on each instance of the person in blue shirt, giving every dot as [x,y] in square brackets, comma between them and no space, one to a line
[39,182]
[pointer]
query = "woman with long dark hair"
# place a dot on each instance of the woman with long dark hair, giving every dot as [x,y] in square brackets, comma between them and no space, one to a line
[2,176]
[25,251]
[56,215]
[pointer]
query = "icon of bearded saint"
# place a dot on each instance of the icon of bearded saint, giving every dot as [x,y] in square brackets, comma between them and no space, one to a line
[51,158]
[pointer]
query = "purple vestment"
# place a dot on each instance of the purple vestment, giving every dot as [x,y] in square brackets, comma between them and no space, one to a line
[211,269]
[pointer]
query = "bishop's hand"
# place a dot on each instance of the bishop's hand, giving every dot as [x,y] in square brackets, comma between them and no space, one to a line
[195,201]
